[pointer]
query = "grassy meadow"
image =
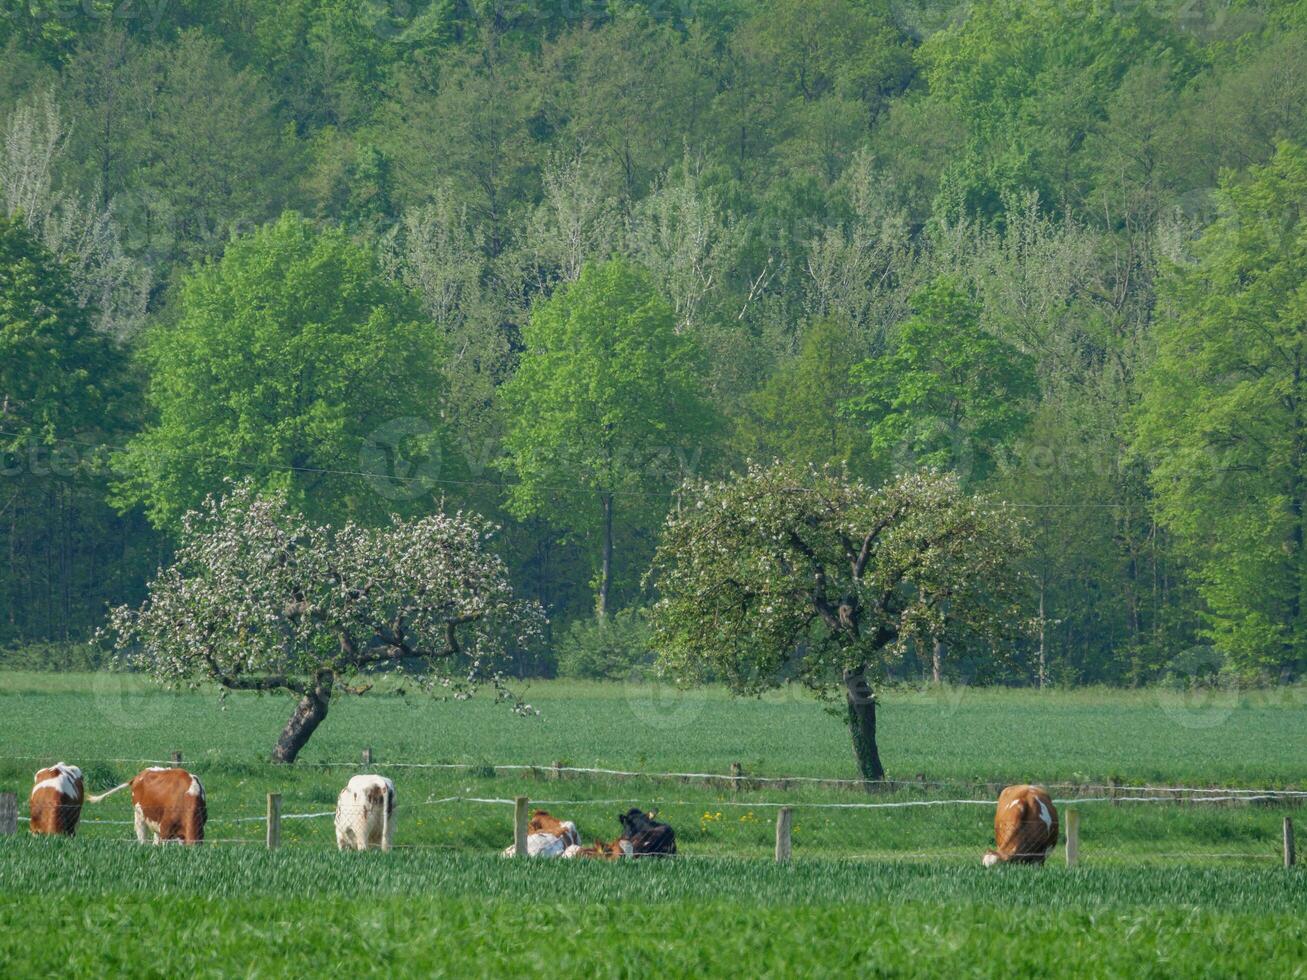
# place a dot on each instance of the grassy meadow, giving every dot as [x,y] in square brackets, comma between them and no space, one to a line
[1162,889]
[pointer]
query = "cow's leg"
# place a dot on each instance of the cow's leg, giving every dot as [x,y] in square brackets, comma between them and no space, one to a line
[372,827]
[342,825]
[388,829]
[142,831]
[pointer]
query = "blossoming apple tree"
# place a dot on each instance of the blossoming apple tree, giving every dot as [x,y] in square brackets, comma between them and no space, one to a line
[258,598]
[784,573]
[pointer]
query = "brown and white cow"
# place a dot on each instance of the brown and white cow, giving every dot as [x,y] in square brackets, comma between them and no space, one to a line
[601,850]
[1025,827]
[55,805]
[168,803]
[547,836]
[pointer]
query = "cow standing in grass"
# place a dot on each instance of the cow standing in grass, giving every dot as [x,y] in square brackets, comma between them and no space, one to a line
[365,814]
[168,803]
[55,806]
[1025,827]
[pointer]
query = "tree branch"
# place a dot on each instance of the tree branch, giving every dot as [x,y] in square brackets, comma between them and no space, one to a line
[270,682]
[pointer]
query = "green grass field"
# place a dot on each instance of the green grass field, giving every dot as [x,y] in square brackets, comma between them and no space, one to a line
[1163,890]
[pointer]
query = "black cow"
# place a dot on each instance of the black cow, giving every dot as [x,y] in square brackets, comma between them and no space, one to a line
[645,835]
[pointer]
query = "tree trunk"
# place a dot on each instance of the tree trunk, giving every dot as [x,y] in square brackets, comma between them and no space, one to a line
[305,719]
[861,701]
[1043,630]
[606,570]
[937,660]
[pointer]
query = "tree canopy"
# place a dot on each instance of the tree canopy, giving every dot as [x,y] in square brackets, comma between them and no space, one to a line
[286,361]
[1224,420]
[969,235]
[57,375]
[946,394]
[785,574]
[606,408]
[258,598]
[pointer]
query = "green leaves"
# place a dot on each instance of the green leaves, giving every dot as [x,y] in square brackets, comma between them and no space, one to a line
[947,395]
[606,402]
[785,573]
[58,377]
[1224,416]
[285,358]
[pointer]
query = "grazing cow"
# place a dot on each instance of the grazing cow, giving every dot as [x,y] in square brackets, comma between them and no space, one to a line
[168,803]
[365,814]
[643,836]
[547,836]
[55,805]
[1025,827]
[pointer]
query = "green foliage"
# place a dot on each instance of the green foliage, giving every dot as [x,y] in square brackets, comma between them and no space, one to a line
[782,573]
[613,648]
[1224,416]
[947,394]
[285,359]
[57,376]
[59,657]
[788,172]
[1027,80]
[606,408]
[797,414]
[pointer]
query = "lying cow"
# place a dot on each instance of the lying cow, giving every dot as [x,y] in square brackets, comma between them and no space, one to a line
[643,836]
[1025,827]
[547,836]
[55,805]
[365,814]
[601,850]
[168,803]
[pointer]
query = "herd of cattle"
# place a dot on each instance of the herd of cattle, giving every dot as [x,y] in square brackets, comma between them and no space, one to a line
[170,804]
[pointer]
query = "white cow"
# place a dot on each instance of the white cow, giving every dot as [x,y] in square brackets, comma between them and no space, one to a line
[365,814]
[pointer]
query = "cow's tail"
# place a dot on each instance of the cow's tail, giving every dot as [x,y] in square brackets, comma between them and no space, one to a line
[107,793]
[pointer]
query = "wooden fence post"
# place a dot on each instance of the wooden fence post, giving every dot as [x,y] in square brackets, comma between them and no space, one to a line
[8,814]
[1289,856]
[1072,837]
[274,821]
[558,770]
[176,758]
[367,756]
[784,843]
[519,827]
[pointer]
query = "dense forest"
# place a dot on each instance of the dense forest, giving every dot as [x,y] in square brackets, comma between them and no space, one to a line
[545,260]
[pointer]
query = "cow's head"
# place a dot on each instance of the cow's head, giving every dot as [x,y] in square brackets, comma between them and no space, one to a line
[991,858]
[633,821]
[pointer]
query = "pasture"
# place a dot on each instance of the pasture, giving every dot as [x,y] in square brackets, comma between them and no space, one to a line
[1162,888]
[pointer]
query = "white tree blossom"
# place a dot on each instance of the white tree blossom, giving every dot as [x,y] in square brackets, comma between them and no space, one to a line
[257,598]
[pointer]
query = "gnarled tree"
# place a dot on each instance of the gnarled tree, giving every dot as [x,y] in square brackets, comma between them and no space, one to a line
[260,599]
[784,573]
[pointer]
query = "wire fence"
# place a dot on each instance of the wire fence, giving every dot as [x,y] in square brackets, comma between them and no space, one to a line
[742,815]
[1114,791]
